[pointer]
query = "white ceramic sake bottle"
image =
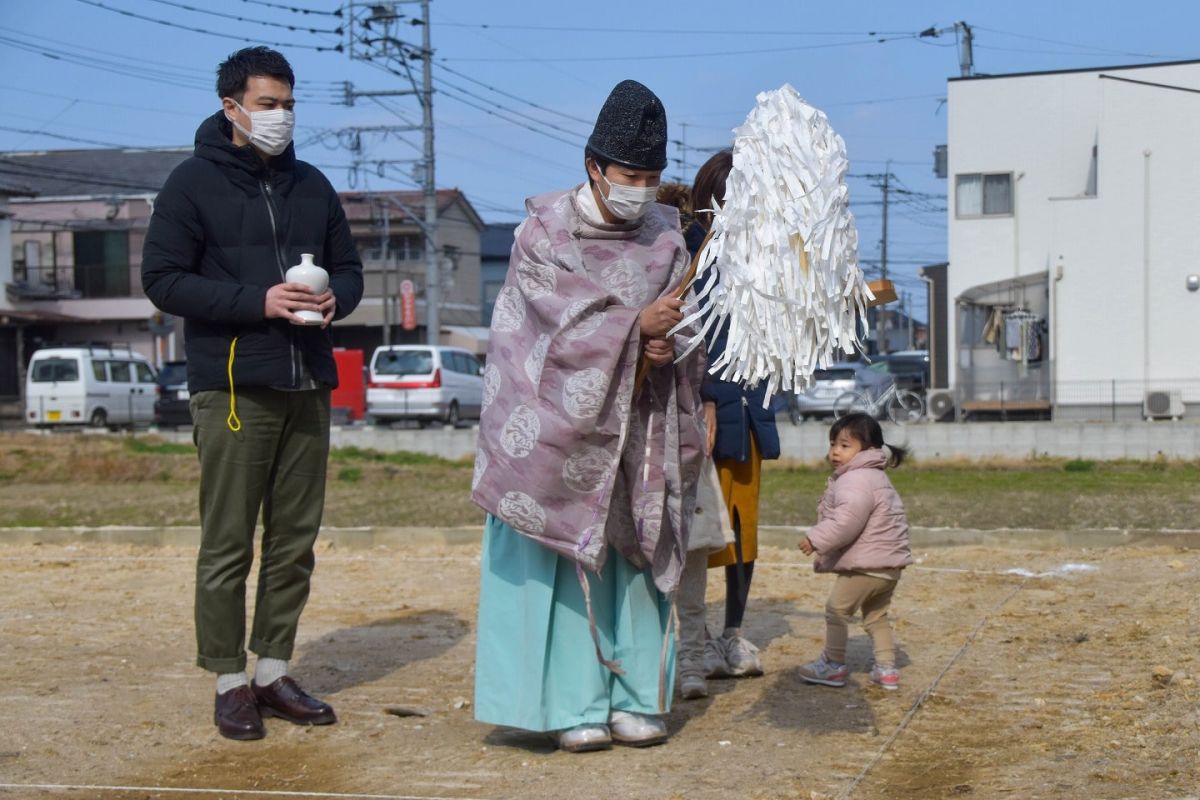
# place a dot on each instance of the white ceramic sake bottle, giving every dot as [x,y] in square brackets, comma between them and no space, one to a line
[315,278]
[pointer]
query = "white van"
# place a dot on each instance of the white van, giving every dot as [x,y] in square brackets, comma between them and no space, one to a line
[98,385]
[423,383]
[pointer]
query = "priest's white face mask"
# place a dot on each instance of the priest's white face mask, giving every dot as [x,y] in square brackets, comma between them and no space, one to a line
[626,201]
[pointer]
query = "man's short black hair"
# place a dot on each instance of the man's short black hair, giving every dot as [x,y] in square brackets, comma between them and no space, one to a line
[602,163]
[249,62]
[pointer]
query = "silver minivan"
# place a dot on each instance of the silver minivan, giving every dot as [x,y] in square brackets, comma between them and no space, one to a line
[423,383]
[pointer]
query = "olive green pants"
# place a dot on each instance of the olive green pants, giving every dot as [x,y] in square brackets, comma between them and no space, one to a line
[274,463]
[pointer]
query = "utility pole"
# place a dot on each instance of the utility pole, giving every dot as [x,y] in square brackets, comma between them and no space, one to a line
[683,164]
[379,44]
[884,242]
[966,42]
[883,314]
[384,254]
[433,277]
[966,55]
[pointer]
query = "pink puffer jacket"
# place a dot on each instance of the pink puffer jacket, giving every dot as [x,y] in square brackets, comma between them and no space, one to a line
[860,520]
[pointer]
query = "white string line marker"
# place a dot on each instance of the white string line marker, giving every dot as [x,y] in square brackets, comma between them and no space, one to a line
[920,701]
[227,792]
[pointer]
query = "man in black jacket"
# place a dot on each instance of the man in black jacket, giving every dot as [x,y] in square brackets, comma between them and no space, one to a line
[226,226]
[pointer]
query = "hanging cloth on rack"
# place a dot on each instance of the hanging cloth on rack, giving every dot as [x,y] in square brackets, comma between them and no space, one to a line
[992,327]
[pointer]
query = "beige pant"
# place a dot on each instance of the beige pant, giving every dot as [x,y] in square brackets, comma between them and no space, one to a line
[852,592]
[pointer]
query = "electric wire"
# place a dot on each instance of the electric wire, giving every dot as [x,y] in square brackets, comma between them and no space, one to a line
[662,31]
[290,27]
[489,87]
[676,56]
[295,45]
[282,6]
[1093,48]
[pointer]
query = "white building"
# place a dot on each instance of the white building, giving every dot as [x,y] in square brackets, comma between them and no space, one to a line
[1073,201]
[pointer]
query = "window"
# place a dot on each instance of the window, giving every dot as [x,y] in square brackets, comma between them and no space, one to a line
[102,263]
[472,364]
[49,370]
[404,362]
[98,371]
[983,195]
[120,371]
[144,373]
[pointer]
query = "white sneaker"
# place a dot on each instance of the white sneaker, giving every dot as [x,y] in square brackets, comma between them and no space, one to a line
[582,738]
[715,665]
[692,685]
[741,656]
[636,730]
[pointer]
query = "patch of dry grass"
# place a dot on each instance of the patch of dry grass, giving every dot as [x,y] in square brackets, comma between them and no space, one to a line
[120,480]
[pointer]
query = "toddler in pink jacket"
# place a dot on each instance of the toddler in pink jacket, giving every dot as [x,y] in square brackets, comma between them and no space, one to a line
[861,535]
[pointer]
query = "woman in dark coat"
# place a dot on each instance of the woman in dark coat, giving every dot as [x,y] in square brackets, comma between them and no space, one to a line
[745,435]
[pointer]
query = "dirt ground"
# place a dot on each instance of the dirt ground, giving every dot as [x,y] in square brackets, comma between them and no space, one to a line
[1077,684]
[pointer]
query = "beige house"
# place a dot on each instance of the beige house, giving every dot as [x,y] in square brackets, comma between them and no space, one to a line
[399,255]
[72,225]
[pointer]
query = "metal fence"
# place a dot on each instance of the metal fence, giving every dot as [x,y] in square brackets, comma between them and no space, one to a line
[77,281]
[1109,400]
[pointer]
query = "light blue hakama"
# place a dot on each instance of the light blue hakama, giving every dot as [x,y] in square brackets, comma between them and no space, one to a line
[535,660]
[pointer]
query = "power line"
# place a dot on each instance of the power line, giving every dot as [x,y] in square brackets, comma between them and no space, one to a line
[1095,49]
[296,28]
[335,13]
[29,132]
[662,56]
[156,20]
[449,94]
[661,31]
[128,71]
[507,109]
[513,96]
[185,72]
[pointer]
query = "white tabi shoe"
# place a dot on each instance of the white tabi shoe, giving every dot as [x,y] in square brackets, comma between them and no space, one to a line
[636,730]
[583,738]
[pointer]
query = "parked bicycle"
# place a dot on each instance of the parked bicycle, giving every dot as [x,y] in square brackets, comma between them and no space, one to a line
[900,405]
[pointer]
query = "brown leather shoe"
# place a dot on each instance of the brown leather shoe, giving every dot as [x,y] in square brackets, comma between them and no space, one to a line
[285,699]
[237,715]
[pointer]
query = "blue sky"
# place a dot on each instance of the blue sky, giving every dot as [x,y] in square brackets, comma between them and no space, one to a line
[518,83]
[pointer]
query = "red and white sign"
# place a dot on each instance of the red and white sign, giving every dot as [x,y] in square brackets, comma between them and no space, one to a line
[408,305]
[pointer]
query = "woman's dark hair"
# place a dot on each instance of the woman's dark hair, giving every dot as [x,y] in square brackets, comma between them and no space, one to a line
[866,431]
[250,62]
[709,184]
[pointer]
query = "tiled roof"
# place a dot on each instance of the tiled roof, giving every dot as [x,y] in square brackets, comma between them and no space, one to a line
[358,205]
[76,173]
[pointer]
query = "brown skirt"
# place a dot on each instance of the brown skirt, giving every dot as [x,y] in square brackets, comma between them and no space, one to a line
[739,485]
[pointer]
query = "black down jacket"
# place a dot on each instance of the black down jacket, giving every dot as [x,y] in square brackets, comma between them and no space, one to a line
[226,227]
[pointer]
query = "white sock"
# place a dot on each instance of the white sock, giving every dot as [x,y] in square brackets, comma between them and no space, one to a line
[231,680]
[269,670]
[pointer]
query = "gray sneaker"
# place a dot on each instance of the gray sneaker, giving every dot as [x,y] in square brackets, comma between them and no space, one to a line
[692,685]
[741,656]
[824,672]
[715,665]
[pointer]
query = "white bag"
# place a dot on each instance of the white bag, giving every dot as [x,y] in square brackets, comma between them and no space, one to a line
[711,530]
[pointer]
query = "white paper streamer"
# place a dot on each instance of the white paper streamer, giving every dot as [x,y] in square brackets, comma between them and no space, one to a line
[781,266]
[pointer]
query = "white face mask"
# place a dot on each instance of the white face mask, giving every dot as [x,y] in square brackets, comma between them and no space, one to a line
[628,202]
[270,131]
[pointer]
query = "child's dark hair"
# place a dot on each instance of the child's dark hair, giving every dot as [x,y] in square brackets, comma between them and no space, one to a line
[864,429]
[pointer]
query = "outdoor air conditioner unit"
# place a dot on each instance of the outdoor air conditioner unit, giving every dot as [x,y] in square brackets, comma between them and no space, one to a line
[1163,405]
[939,404]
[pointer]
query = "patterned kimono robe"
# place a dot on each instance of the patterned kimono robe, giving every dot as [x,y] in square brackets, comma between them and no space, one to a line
[569,453]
